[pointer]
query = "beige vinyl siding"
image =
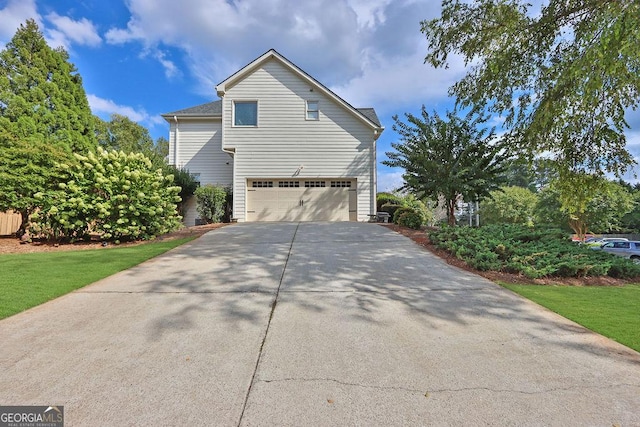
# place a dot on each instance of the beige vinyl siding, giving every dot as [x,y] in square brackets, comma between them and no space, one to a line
[199,149]
[337,145]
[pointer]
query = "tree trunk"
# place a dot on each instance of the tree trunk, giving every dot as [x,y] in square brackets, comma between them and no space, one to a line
[579,227]
[24,224]
[451,212]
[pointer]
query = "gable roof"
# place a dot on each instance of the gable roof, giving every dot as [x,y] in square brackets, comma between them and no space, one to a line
[367,115]
[210,109]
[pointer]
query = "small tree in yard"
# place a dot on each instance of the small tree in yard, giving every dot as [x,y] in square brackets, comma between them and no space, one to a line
[510,205]
[444,158]
[211,202]
[590,202]
[111,193]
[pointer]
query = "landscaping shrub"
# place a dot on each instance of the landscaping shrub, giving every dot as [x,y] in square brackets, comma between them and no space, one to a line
[621,268]
[113,194]
[398,212]
[211,203]
[410,219]
[532,252]
[390,209]
[427,215]
[387,198]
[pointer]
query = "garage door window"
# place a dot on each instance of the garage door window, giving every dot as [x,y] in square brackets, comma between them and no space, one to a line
[289,184]
[314,184]
[262,184]
[341,184]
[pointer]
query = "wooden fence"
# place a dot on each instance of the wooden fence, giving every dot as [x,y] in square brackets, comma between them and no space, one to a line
[9,222]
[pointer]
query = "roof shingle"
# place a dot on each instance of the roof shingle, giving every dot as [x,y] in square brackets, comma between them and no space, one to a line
[210,109]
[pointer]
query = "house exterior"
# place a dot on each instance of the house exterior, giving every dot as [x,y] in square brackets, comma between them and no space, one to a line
[290,148]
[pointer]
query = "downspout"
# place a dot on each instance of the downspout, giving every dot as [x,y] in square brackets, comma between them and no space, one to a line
[374,189]
[175,146]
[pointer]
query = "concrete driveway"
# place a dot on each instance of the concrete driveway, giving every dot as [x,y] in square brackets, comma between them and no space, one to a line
[311,324]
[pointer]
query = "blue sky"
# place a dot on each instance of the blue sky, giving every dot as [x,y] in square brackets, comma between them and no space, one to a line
[142,58]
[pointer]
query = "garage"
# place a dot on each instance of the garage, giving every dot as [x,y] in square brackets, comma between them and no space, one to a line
[318,199]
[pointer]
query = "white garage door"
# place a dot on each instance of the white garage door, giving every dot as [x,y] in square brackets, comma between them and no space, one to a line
[301,200]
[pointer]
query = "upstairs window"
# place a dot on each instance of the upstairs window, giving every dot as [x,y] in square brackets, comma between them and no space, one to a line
[313,113]
[245,113]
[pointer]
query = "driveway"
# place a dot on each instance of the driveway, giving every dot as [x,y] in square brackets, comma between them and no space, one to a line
[311,324]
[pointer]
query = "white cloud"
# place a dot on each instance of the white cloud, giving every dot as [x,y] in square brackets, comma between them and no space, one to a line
[391,83]
[331,39]
[63,30]
[68,31]
[369,12]
[16,12]
[107,107]
[389,180]
[170,68]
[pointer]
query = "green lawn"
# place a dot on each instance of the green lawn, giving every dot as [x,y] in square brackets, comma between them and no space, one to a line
[27,280]
[611,311]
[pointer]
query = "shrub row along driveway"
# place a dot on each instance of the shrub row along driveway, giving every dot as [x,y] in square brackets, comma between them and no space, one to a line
[310,324]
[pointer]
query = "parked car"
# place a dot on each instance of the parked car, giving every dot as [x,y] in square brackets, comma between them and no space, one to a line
[599,241]
[626,249]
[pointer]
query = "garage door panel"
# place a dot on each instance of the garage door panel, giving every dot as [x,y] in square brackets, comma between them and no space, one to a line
[326,204]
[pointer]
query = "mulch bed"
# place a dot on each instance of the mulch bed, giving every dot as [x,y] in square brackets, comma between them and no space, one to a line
[11,244]
[421,238]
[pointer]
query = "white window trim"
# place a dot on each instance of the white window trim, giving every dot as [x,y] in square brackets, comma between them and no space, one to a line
[233,113]
[307,110]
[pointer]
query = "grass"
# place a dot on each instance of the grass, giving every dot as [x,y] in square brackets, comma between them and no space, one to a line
[611,311]
[27,280]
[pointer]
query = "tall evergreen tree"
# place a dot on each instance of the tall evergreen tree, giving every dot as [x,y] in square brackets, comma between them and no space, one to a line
[44,118]
[41,93]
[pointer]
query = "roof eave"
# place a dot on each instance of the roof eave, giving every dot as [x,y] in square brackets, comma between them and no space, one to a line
[172,117]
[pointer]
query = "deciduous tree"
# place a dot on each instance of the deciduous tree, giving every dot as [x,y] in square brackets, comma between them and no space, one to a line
[444,158]
[509,205]
[563,75]
[121,133]
[587,203]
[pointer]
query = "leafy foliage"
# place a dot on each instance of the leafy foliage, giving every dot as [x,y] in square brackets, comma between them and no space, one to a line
[590,202]
[111,193]
[532,252]
[532,175]
[409,218]
[211,202]
[444,158]
[27,166]
[425,212]
[123,134]
[384,198]
[509,205]
[562,76]
[183,179]
[41,94]
[631,220]
[44,117]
